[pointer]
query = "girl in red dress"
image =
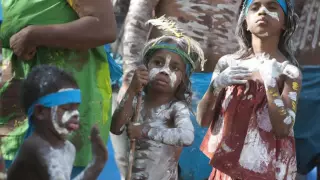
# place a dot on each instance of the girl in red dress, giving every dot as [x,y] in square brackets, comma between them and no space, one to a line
[251,104]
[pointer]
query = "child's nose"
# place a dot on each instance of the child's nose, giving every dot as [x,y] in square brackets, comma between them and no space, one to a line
[262,11]
[164,73]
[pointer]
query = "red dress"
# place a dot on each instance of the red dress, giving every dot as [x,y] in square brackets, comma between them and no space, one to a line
[240,142]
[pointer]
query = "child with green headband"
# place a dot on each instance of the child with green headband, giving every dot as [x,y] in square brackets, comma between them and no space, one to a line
[164,126]
[51,98]
[251,104]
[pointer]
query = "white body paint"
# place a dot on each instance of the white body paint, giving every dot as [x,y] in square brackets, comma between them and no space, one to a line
[279,102]
[166,69]
[288,120]
[156,156]
[274,15]
[293,96]
[291,71]
[59,161]
[292,113]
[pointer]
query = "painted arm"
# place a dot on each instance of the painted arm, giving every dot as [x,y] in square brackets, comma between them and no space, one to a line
[283,108]
[124,110]
[136,31]
[181,135]
[206,106]
[99,154]
[122,113]
[95,27]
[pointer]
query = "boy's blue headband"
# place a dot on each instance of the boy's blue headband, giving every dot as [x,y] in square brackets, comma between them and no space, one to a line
[282,4]
[54,99]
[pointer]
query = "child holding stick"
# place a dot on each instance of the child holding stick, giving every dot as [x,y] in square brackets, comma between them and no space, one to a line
[164,126]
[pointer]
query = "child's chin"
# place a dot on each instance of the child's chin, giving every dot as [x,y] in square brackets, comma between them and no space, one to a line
[161,87]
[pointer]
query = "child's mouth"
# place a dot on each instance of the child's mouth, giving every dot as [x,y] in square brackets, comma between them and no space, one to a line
[72,125]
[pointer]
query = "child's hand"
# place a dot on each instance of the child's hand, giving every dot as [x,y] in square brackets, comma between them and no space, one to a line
[134,131]
[232,75]
[139,80]
[271,70]
[99,150]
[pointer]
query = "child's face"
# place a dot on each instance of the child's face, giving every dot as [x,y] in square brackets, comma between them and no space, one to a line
[64,119]
[166,70]
[265,18]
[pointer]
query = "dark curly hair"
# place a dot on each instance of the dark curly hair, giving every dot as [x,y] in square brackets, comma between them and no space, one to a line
[41,81]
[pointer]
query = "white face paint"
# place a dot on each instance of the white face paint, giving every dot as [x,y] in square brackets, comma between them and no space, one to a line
[66,117]
[274,15]
[166,69]
[55,122]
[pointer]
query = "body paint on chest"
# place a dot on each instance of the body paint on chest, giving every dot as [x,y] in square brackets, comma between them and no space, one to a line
[166,69]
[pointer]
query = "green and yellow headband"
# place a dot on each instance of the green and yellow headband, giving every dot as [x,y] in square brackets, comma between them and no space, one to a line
[175,49]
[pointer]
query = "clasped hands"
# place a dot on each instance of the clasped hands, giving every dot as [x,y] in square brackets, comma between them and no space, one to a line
[267,73]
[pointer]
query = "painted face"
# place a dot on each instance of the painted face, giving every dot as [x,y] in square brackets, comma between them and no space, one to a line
[166,70]
[65,118]
[265,18]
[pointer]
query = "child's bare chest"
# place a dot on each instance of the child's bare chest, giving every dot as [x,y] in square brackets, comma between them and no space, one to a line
[60,161]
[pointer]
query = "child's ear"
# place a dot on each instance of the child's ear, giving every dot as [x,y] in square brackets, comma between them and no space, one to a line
[40,112]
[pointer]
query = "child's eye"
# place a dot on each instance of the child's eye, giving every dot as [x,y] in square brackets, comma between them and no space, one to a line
[254,8]
[158,63]
[272,8]
[175,68]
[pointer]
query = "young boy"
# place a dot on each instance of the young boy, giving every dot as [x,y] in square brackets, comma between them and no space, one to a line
[51,98]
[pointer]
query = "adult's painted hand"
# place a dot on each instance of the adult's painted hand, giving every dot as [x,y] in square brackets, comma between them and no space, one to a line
[22,45]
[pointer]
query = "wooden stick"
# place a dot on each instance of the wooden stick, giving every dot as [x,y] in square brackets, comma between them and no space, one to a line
[133,141]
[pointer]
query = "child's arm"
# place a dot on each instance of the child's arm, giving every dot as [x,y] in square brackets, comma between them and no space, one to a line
[283,108]
[222,77]
[124,110]
[181,135]
[100,157]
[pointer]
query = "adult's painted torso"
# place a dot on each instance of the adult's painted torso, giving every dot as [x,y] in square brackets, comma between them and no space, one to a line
[307,44]
[211,22]
[90,68]
[307,37]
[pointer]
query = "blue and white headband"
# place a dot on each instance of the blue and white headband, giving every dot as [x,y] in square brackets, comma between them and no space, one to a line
[282,3]
[51,100]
